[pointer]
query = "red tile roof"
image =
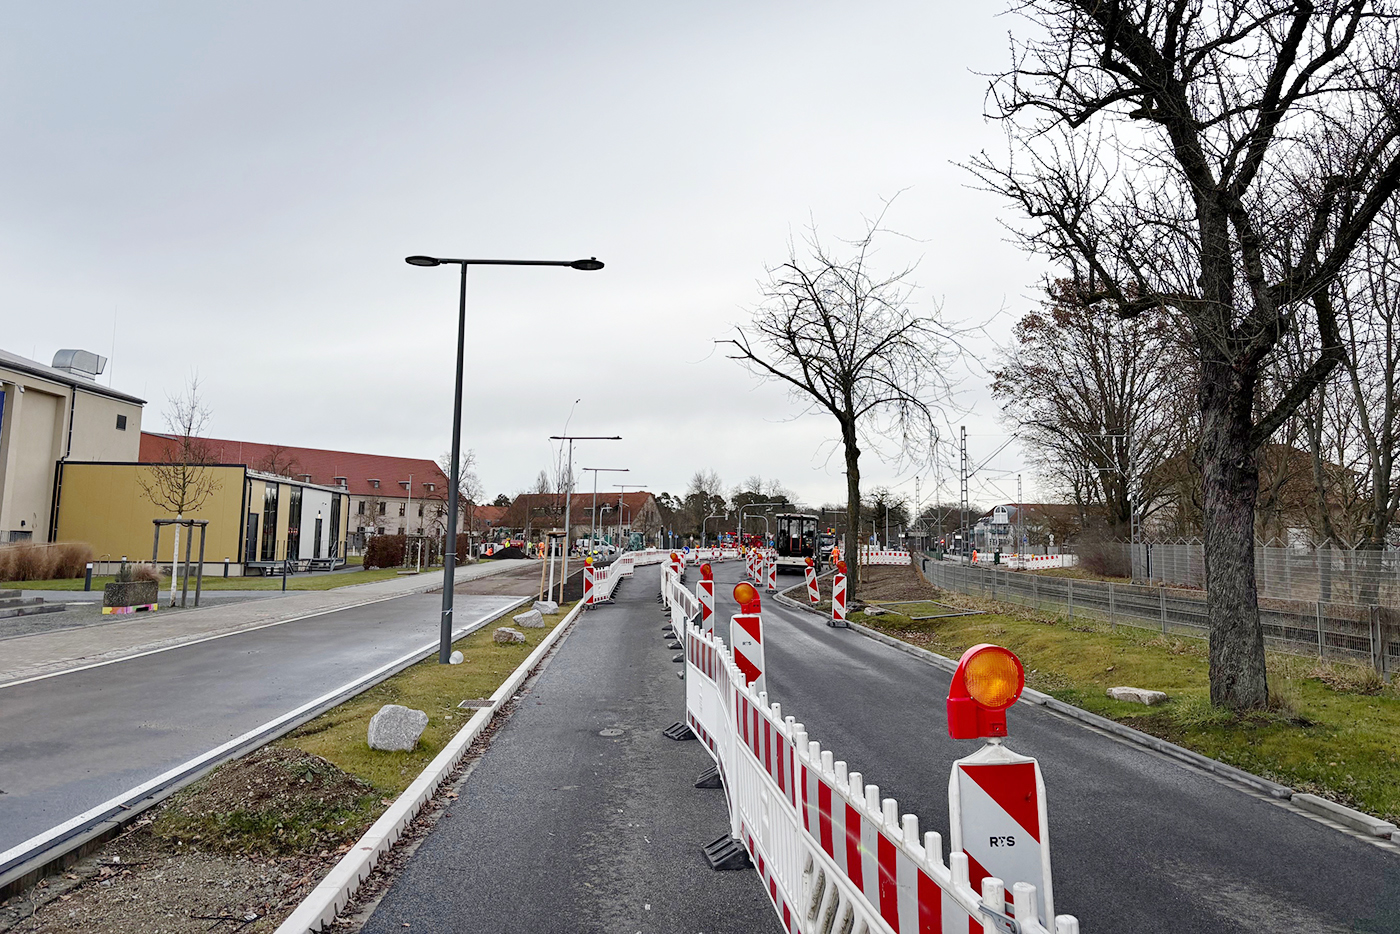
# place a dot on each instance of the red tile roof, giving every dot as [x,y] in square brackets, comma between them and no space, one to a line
[540,507]
[323,466]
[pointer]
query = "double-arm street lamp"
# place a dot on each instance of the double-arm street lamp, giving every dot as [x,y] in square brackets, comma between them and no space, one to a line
[449,558]
[569,500]
[593,532]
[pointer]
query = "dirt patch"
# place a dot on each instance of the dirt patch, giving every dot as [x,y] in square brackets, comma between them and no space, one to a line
[237,851]
[276,801]
[880,583]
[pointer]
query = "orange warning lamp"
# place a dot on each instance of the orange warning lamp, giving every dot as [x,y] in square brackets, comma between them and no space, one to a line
[674,556]
[707,573]
[989,679]
[809,562]
[588,562]
[841,567]
[746,595]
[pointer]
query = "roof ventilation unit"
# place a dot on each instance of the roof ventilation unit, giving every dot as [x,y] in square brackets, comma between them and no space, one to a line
[80,363]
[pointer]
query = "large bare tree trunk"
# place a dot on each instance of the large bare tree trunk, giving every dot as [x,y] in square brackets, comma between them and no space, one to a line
[1230,486]
[851,552]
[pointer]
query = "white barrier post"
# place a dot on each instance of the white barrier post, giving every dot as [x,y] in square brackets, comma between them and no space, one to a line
[772,572]
[746,635]
[588,573]
[813,593]
[705,591]
[838,595]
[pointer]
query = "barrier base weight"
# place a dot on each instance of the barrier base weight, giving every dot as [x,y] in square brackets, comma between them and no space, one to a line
[679,658]
[678,731]
[710,779]
[725,853]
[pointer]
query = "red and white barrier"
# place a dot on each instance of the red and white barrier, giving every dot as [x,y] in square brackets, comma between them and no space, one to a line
[873,556]
[587,581]
[832,854]
[605,580]
[705,593]
[814,595]
[838,595]
[772,572]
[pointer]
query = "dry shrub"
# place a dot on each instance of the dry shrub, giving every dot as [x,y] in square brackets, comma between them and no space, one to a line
[71,559]
[145,572]
[40,561]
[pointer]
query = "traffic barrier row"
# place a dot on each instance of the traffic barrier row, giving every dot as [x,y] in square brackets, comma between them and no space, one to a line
[832,854]
[599,583]
[872,556]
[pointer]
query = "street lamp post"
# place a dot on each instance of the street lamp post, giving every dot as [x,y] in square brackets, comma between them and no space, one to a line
[569,499]
[593,527]
[449,557]
[622,503]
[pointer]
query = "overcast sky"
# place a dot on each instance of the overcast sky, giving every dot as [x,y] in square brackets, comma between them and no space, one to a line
[235,187]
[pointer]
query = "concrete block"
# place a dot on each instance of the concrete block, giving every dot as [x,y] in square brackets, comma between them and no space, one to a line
[1342,814]
[530,619]
[1137,695]
[505,635]
[396,728]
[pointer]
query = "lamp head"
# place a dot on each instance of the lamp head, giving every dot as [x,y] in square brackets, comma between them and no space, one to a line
[422,261]
[989,679]
[587,265]
[746,595]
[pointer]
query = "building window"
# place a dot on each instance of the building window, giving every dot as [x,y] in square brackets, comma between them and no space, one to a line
[402,508]
[420,510]
[374,483]
[381,508]
[121,423]
[294,524]
[361,511]
[269,532]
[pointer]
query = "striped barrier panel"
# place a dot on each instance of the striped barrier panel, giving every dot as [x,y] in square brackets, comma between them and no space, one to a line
[605,580]
[814,595]
[832,854]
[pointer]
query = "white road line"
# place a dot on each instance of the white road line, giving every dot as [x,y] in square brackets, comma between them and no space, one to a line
[38,841]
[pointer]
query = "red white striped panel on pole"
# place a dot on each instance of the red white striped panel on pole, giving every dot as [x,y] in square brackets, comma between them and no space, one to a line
[772,573]
[705,592]
[746,636]
[588,582]
[996,802]
[838,597]
[813,593]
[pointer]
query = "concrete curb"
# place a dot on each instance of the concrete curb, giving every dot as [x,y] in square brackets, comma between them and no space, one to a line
[319,909]
[1342,814]
[1273,789]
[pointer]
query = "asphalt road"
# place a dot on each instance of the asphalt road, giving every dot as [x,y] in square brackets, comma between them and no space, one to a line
[560,828]
[1139,843]
[72,741]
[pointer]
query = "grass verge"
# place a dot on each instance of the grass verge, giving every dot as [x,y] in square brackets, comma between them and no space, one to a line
[1331,728]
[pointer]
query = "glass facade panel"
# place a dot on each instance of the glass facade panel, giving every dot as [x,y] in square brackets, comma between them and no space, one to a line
[269,530]
[294,523]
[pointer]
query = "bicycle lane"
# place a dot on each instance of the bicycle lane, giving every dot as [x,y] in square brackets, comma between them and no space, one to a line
[580,815]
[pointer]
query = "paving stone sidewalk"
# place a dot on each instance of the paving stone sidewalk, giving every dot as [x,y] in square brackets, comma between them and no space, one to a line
[48,652]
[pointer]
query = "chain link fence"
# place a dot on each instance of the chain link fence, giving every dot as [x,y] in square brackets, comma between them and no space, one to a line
[1342,632]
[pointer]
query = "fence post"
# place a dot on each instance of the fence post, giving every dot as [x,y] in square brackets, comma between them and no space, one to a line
[1377,658]
[1111,625]
[1162,599]
[1069,597]
[1035,592]
[1319,629]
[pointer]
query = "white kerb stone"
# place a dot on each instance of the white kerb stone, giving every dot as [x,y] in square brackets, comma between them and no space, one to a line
[546,607]
[505,635]
[531,619]
[396,728]
[1137,695]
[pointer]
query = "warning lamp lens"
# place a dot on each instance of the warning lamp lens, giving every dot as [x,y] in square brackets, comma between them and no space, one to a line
[841,566]
[674,556]
[706,571]
[994,678]
[745,593]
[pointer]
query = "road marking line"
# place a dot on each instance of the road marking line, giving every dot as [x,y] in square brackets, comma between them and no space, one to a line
[23,851]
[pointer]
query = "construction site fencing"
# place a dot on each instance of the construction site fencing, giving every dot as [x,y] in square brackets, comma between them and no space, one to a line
[873,556]
[1341,632]
[832,854]
[1327,573]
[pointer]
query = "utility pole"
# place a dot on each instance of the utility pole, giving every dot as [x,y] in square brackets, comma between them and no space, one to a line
[966,532]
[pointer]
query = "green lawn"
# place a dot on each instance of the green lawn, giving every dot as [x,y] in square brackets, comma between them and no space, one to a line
[1332,730]
[294,581]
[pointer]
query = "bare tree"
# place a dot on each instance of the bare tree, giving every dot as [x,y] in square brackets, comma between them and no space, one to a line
[279,461]
[469,492]
[843,338]
[1221,160]
[182,482]
[1097,399]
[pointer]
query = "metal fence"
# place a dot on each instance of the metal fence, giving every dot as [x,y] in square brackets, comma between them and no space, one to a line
[1342,632]
[1330,574]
